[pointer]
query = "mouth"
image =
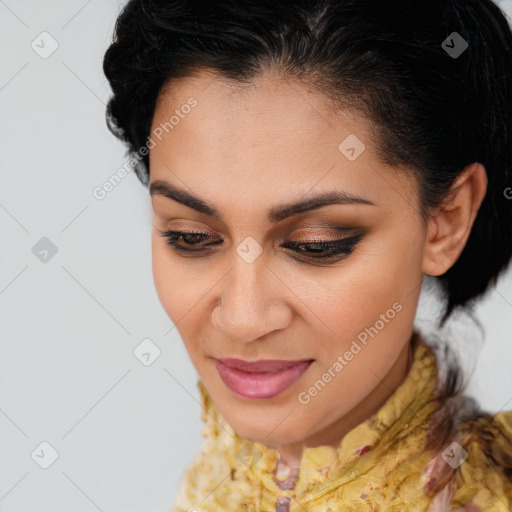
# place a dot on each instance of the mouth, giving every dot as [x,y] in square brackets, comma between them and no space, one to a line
[260,379]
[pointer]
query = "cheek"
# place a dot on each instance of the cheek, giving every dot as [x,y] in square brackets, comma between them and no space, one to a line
[168,283]
[384,279]
[181,285]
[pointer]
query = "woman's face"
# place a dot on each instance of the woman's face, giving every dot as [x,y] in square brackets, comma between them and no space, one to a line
[250,154]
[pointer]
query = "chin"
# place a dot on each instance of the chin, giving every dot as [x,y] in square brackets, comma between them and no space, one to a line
[267,435]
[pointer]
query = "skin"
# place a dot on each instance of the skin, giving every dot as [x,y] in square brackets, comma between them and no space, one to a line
[246,150]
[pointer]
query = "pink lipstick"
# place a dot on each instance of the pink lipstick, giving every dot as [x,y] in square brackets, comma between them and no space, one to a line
[260,379]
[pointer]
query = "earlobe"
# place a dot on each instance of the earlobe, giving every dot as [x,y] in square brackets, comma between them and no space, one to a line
[449,229]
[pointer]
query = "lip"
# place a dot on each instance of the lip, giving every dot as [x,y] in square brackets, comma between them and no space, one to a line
[260,366]
[260,379]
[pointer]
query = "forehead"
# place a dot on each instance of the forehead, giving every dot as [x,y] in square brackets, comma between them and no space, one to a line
[267,105]
[267,138]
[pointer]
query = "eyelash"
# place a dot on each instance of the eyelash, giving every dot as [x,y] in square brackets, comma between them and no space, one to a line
[337,248]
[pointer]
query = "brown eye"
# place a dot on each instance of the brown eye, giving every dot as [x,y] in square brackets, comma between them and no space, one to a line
[192,239]
[327,249]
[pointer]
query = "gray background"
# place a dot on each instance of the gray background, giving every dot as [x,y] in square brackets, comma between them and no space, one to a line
[123,431]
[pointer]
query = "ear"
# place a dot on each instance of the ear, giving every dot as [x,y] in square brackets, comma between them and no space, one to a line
[449,229]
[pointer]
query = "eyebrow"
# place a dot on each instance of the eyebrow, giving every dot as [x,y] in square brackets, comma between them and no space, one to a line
[275,214]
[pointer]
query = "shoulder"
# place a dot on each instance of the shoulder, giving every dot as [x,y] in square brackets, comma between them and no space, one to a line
[483,473]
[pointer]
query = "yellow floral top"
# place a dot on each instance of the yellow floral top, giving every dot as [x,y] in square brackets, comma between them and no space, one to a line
[383,464]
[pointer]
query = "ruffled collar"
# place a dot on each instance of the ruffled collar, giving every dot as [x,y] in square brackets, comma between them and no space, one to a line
[384,453]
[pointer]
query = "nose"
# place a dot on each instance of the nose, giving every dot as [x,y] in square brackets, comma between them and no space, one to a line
[252,303]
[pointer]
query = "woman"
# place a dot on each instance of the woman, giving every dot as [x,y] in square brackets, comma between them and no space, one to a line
[309,163]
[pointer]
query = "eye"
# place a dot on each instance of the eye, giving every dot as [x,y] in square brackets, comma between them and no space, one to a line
[191,239]
[319,251]
[327,250]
